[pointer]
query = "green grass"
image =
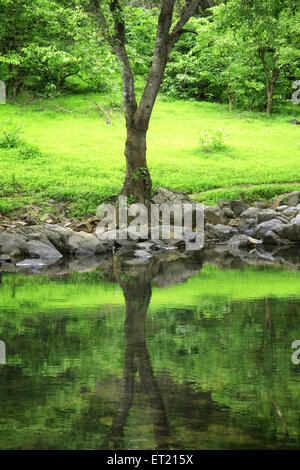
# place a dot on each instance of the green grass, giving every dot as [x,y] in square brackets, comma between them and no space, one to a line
[81,157]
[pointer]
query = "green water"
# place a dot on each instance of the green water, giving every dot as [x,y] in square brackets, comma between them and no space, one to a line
[131,362]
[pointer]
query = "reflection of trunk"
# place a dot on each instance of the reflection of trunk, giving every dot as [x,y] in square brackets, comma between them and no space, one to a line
[137,293]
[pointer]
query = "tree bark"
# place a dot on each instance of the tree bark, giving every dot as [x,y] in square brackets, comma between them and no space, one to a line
[137,179]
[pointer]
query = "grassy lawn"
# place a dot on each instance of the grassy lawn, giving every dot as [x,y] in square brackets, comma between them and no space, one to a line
[81,157]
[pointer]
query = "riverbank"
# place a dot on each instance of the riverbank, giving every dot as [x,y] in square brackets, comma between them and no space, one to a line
[234,224]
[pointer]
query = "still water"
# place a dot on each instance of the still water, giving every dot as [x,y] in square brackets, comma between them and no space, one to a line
[175,357]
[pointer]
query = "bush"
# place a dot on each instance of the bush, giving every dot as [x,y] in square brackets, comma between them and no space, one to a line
[10,134]
[213,140]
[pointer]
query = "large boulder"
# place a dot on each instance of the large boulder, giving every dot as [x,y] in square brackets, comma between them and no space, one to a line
[82,243]
[220,232]
[10,242]
[269,214]
[290,231]
[293,199]
[38,249]
[214,215]
[263,228]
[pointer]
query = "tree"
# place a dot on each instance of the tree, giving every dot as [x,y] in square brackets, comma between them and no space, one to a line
[112,22]
[269,30]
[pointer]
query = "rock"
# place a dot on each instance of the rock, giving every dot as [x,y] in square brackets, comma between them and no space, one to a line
[269,214]
[251,232]
[290,231]
[293,199]
[228,213]
[214,215]
[220,232]
[142,254]
[11,241]
[295,122]
[271,238]
[262,205]
[282,208]
[83,227]
[263,228]
[238,207]
[30,220]
[167,196]
[250,213]
[223,203]
[38,249]
[15,254]
[296,219]
[145,245]
[242,241]
[5,258]
[246,224]
[291,211]
[82,243]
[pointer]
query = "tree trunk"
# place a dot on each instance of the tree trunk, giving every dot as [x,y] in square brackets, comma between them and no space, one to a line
[137,179]
[270,96]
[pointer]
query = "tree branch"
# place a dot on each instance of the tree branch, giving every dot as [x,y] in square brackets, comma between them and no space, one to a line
[186,14]
[117,42]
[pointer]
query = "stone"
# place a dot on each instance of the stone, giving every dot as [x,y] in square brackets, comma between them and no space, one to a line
[228,213]
[269,214]
[145,245]
[296,219]
[290,231]
[167,196]
[214,215]
[30,220]
[271,238]
[250,213]
[238,207]
[38,249]
[291,211]
[221,232]
[242,241]
[293,199]
[81,243]
[15,254]
[295,122]
[83,227]
[263,228]
[5,258]
[11,241]
[142,254]
[282,208]
[223,203]
[246,224]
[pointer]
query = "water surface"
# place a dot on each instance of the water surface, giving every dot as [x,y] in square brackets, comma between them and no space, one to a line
[165,358]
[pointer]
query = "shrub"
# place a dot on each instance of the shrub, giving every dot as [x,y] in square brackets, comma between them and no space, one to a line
[213,140]
[10,134]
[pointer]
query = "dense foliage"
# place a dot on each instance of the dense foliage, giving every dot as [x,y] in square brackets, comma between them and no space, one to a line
[245,52]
